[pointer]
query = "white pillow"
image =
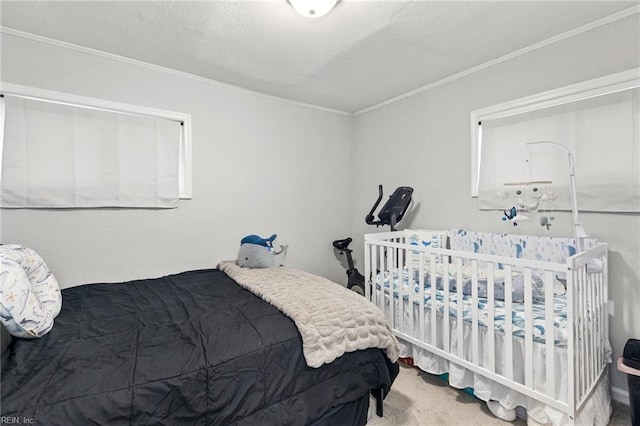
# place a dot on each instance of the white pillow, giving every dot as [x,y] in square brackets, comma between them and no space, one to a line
[30,297]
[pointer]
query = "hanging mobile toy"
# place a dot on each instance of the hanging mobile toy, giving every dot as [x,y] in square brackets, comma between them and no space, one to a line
[510,215]
[513,216]
[545,221]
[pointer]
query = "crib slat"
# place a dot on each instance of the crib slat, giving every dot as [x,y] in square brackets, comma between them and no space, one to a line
[391,267]
[584,367]
[367,265]
[528,331]
[434,300]
[371,272]
[446,341]
[459,309]
[597,335]
[400,310]
[578,334]
[593,326]
[572,340]
[474,316]
[508,323]
[411,295]
[604,316]
[371,278]
[399,266]
[583,334]
[421,297]
[601,313]
[380,301]
[587,325]
[490,344]
[549,333]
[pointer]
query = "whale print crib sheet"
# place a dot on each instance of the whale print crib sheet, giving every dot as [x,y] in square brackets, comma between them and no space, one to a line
[392,281]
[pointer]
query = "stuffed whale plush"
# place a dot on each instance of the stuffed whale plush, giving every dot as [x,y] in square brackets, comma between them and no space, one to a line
[258,252]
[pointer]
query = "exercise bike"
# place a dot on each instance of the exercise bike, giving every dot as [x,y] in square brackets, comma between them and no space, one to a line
[390,214]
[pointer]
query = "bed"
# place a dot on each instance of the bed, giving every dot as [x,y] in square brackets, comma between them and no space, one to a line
[192,348]
[520,320]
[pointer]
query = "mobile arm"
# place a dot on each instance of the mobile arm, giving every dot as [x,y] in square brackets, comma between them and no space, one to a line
[578,230]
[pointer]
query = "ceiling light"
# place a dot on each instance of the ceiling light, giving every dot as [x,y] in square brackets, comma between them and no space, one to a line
[313,8]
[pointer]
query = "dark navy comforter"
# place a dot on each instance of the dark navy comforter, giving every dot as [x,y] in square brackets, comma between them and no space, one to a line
[187,349]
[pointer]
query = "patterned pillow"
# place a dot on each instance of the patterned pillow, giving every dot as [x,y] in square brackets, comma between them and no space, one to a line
[540,248]
[425,238]
[30,297]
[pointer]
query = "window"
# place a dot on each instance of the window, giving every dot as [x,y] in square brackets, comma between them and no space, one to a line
[596,121]
[64,151]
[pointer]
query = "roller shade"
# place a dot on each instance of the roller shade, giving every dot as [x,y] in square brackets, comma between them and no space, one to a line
[602,132]
[57,155]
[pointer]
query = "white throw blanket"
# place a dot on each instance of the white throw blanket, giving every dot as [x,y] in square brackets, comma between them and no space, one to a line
[332,320]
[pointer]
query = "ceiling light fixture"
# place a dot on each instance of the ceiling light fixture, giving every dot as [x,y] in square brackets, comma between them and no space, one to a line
[313,8]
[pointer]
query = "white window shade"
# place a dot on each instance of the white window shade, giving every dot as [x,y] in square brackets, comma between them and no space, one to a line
[603,134]
[62,156]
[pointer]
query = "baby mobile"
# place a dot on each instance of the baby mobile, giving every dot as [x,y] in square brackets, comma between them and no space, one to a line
[519,198]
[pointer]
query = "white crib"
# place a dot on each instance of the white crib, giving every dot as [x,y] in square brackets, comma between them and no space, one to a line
[553,365]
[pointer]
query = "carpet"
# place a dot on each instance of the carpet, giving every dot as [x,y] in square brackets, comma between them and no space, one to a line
[418,398]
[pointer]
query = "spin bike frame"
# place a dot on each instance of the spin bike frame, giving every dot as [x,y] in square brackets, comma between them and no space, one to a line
[355,280]
[390,214]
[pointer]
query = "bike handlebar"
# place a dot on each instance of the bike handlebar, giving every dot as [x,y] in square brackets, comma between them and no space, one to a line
[370,219]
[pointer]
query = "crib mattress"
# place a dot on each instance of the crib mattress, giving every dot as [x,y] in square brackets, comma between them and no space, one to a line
[500,313]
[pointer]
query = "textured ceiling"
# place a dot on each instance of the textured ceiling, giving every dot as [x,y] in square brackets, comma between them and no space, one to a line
[359,55]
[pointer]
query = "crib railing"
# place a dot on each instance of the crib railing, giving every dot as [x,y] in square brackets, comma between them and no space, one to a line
[587,296]
[436,325]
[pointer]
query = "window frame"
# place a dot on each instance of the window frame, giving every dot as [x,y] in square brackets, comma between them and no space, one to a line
[185,157]
[624,80]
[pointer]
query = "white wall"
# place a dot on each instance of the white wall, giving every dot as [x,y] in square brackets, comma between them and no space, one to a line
[260,166]
[424,142]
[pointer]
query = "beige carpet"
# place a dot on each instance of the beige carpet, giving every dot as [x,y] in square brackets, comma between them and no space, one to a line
[418,398]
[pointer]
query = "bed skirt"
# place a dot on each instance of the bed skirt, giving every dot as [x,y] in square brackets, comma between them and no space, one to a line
[597,411]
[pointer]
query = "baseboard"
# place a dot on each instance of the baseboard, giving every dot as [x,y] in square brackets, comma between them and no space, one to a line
[620,395]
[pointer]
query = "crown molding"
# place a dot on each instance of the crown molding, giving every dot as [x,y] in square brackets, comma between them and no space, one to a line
[576,31]
[124,59]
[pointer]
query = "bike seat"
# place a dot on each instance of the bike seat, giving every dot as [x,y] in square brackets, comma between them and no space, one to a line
[342,244]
